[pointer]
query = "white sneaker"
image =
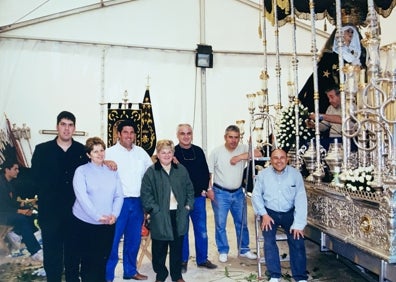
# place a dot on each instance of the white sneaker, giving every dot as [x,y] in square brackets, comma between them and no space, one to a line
[223,258]
[37,234]
[38,256]
[302,280]
[14,239]
[274,280]
[39,272]
[248,255]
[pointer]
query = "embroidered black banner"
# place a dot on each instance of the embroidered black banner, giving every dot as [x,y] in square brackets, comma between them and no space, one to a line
[148,136]
[115,116]
[141,114]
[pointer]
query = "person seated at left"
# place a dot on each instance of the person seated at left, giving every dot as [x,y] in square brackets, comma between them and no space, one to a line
[12,213]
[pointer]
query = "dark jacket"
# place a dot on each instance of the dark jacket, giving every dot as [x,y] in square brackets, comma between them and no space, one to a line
[7,204]
[194,161]
[53,170]
[155,196]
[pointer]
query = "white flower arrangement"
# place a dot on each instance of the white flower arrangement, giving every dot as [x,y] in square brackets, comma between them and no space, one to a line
[286,127]
[358,179]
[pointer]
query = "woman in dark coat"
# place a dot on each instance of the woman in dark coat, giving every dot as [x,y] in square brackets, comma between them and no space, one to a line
[167,195]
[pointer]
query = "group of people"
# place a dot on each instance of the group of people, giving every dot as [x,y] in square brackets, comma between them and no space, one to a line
[278,197]
[90,197]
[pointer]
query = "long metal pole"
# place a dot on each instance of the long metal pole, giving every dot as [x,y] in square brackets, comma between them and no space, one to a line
[294,84]
[278,106]
[339,37]
[204,121]
[318,172]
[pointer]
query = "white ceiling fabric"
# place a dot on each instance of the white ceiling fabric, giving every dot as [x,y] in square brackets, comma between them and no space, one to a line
[81,60]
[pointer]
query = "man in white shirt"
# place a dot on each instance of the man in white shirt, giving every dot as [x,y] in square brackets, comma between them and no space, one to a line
[132,162]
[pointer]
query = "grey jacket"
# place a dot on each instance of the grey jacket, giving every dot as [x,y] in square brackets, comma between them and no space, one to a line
[155,197]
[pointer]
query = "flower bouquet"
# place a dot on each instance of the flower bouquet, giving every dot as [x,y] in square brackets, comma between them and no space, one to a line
[358,179]
[286,128]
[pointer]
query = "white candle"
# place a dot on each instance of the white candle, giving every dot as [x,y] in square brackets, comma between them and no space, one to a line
[264,80]
[362,79]
[351,83]
[264,84]
[290,74]
[394,138]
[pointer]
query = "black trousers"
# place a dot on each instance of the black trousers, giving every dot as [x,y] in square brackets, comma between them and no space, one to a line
[55,232]
[159,250]
[92,243]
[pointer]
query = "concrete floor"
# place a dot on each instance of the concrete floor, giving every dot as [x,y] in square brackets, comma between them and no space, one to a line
[322,266]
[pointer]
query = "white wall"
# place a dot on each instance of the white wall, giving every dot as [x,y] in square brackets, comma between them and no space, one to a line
[47,67]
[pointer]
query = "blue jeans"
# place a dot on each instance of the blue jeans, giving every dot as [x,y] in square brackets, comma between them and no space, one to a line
[198,218]
[129,224]
[298,259]
[236,203]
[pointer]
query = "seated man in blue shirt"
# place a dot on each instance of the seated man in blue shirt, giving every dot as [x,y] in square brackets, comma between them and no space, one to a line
[280,199]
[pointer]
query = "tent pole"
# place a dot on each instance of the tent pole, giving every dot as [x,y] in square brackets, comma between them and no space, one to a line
[204,126]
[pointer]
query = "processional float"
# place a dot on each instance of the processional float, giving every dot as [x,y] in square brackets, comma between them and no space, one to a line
[353,212]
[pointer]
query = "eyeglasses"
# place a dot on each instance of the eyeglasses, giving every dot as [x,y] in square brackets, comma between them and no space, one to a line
[350,30]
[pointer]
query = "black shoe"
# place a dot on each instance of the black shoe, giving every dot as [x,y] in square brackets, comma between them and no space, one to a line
[184,267]
[208,264]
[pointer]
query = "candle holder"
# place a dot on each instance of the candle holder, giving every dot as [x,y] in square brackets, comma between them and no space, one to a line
[264,80]
[309,158]
[25,132]
[291,156]
[334,161]
[259,136]
[251,102]
[241,126]
[16,131]
[352,78]
[262,101]
[291,95]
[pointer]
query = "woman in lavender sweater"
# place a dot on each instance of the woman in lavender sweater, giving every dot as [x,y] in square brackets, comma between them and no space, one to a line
[98,203]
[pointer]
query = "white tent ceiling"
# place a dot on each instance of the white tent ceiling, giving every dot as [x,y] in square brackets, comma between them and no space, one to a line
[75,55]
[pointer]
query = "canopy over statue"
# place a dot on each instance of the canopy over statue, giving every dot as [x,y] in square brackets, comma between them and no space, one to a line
[327,9]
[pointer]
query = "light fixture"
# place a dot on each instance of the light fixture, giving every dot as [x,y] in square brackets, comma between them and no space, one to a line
[204,56]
